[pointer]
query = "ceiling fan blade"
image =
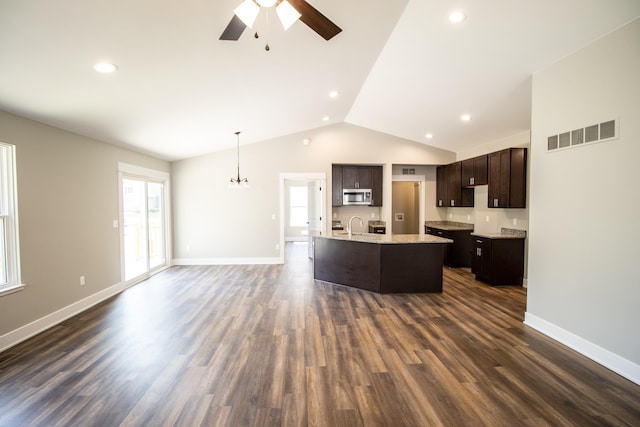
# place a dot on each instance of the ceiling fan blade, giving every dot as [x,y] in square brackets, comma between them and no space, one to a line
[234,29]
[315,20]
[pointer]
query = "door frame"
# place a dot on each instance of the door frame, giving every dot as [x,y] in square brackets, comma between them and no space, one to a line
[301,176]
[126,170]
[421,180]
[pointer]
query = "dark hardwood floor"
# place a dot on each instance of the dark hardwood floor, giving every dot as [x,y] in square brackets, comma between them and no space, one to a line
[265,345]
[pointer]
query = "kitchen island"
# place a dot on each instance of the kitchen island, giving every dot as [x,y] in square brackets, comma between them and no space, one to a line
[399,263]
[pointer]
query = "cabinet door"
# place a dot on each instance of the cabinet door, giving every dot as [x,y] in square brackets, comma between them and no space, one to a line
[441,187]
[507,178]
[364,177]
[481,263]
[454,188]
[336,185]
[468,178]
[495,180]
[376,185]
[480,175]
[518,179]
[349,176]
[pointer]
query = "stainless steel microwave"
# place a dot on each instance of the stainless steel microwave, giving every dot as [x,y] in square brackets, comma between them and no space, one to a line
[356,196]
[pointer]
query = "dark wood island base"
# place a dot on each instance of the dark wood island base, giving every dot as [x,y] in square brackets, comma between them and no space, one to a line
[381,265]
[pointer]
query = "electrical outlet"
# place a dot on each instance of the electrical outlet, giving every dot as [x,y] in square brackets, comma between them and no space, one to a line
[515,221]
[277,247]
[273,216]
[115,223]
[373,215]
[468,217]
[82,281]
[487,218]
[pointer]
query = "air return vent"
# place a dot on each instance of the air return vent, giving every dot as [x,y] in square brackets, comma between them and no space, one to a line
[604,131]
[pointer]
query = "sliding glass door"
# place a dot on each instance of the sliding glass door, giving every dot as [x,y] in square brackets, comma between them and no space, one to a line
[144,226]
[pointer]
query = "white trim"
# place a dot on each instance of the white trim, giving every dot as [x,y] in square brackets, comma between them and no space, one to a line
[606,358]
[525,282]
[228,261]
[27,331]
[421,179]
[142,172]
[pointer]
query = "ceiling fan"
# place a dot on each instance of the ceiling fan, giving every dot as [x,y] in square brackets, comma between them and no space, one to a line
[289,11]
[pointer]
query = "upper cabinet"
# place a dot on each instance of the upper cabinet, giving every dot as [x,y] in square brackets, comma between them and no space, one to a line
[504,171]
[508,178]
[449,190]
[474,171]
[336,185]
[356,176]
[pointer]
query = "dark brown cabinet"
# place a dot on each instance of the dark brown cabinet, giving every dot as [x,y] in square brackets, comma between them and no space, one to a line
[498,261]
[507,178]
[449,190]
[355,176]
[336,185]
[442,182]
[475,171]
[376,185]
[457,254]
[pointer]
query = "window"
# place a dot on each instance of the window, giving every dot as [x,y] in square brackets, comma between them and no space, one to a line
[298,215]
[9,248]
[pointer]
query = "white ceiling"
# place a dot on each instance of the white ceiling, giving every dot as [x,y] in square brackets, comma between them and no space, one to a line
[400,67]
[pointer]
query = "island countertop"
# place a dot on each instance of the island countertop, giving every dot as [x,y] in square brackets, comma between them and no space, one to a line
[387,238]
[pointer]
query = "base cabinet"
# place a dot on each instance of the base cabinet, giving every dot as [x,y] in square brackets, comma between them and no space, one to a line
[498,261]
[457,254]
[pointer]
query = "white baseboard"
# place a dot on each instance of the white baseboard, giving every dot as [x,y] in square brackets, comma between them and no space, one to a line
[25,332]
[226,261]
[609,360]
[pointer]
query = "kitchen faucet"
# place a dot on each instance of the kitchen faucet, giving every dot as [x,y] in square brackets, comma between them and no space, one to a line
[349,224]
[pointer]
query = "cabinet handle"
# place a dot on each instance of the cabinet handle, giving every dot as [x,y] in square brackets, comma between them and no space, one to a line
[472,181]
[495,203]
[478,241]
[453,203]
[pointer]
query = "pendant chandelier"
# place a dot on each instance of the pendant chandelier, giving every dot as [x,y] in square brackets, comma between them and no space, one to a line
[238,182]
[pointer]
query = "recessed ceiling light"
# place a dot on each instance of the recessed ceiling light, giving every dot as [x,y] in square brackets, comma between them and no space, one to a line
[306,141]
[457,17]
[334,94]
[104,67]
[429,136]
[466,117]
[326,118]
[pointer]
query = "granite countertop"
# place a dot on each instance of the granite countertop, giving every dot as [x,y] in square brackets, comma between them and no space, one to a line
[449,225]
[505,233]
[387,238]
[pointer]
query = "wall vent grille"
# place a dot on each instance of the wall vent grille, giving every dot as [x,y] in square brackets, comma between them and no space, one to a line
[605,131]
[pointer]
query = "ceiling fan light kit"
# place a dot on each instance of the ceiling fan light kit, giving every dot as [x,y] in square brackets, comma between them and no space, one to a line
[289,11]
[247,11]
[288,14]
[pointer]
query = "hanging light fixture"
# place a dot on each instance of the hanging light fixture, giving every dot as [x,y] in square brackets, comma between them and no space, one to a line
[248,10]
[238,182]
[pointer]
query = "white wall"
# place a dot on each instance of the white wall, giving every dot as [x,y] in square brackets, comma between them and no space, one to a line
[68,199]
[214,224]
[584,285]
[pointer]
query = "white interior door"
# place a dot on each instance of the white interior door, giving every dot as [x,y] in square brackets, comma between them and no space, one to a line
[314,209]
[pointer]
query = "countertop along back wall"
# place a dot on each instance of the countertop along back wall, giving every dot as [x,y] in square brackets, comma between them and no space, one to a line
[214,224]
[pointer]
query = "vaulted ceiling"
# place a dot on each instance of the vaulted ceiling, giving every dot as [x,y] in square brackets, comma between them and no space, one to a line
[400,67]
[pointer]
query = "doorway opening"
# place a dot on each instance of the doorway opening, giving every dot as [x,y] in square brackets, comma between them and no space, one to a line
[302,209]
[407,204]
[144,231]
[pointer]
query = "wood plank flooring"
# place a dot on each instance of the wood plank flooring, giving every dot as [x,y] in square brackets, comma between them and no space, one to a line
[266,346]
